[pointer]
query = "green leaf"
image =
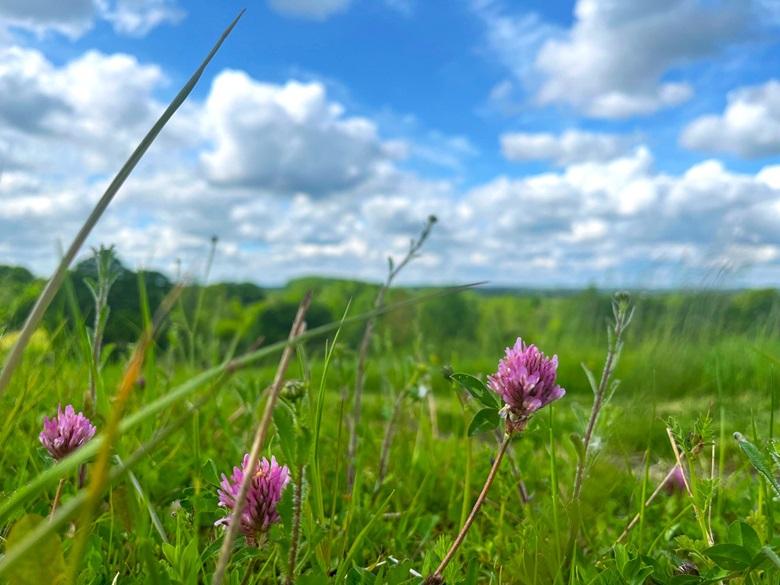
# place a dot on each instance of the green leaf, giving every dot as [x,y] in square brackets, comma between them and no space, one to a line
[731,557]
[757,460]
[46,564]
[579,446]
[743,534]
[591,379]
[285,425]
[477,389]
[303,441]
[486,419]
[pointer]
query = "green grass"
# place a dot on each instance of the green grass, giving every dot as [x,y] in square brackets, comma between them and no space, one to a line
[388,533]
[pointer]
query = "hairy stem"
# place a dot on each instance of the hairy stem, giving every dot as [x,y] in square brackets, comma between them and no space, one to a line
[436,577]
[365,343]
[622,318]
[387,441]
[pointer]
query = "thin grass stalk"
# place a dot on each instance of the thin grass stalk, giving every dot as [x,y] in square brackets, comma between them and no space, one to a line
[436,577]
[193,331]
[721,441]
[387,440]
[57,496]
[365,343]
[319,407]
[179,393]
[296,526]
[347,558]
[645,481]
[260,434]
[554,490]
[697,512]
[647,502]
[54,283]
[147,502]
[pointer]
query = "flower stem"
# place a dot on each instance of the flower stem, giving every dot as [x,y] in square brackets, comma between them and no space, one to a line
[437,574]
[57,496]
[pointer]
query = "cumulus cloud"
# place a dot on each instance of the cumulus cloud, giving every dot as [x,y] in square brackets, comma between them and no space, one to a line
[572,146]
[288,138]
[749,127]
[90,111]
[138,17]
[295,183]
[311,9]
[73,18]
[615,60]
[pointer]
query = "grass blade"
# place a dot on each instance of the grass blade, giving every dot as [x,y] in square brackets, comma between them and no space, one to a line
[51,288]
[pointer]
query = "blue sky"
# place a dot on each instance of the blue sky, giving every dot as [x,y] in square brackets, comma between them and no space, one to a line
[608,142]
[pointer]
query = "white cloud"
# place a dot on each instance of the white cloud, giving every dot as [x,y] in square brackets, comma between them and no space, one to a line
[572,146]
[311,9]
[615,60]
[73,18]
[749,127]
[138,17]
[295,183]
[288,138]
[102,103]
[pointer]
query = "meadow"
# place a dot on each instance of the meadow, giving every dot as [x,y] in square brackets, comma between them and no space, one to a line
[700,363]
[399,442]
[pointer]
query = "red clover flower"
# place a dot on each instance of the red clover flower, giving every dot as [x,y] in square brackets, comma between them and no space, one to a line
[265,491]
[66,432]
[525,381]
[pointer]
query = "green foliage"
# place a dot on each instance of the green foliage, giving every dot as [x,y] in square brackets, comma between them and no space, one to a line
[679,347]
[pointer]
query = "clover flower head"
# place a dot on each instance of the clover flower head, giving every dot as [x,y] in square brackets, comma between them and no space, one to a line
[66,432]
[525,381]
[265,491]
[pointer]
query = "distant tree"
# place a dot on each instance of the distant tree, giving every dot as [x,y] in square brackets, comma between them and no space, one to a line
[450,319]
[273,320]
[125,323]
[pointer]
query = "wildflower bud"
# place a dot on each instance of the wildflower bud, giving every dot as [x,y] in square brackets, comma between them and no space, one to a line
[622,301]
[66,432]
[140,382]
[447,372]
[294,390]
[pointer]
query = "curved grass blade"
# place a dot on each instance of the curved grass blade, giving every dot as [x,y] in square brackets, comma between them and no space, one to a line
[51,288]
